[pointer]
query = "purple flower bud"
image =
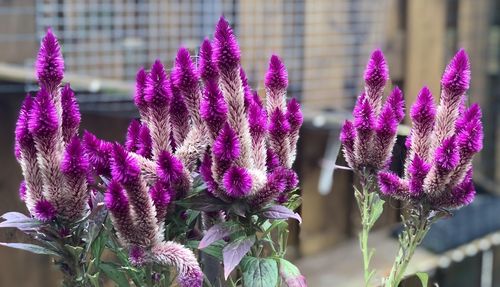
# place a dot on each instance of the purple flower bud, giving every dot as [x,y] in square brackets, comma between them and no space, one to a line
[386,125]
[49,63]
[23,137]
[257,119]
[184,74]
[447,156]
[397,103]
[470,139]
[456,77]
[70,113]
[376,71]
[145,142]
[247,91]
[124,168]
[43,121]
[140,86]
[294,114]
[179,116]
[272,160]
[226,146]
[22,190]
[225,47]
[137,255]
[463,194]
[391,185]
[237,182]
[115,199]
[276,76]
[161,195]
[75,162]
[98,153]
[206,66]
[278,124]
[470,116]
[155,92]
[418,170]
[132,138]
[206,173]
[364,118]
[347,137]
[169,168]
[423,110]
[213,107]
[44,210]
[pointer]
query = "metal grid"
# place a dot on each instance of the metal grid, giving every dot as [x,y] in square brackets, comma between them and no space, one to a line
[324,43]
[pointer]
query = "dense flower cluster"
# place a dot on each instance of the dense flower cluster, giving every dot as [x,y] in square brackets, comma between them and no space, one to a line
[369,139]
[441,145]
[52,157]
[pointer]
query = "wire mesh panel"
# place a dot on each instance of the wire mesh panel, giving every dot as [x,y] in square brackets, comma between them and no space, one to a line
[324,43]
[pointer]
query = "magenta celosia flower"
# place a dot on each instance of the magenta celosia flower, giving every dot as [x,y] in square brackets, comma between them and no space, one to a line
[132,137]
[23,137]
[144,142]
[155,91]
[43,121]
[272,160]
[22,190]
[347,138]
[257,119]
[279,127]
[213,109]
[226,51]
[376,76]
[49,64]
[74,162]
[44,210]
[226,146]
[441,145]
[170,169]
[247,91]
[98,152]
[207,68]
[237,182]
[124,168]
[276,83]
[179,116]
[396,101]
[206,173]
[139,96]
[118,205]
[70,113]
[162,195]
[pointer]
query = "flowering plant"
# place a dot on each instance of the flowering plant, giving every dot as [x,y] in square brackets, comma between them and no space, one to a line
[203,179]
[438,169]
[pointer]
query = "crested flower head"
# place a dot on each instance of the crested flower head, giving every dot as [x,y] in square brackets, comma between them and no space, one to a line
[226,146]
[447,156]
[213,108]
[387,124]
[131,140]
[115,198]
[124,168]
[364,117]
[418,170]
[347,134]
[456,77]
[70,112]
[75,161]
[161,195]
[43,120]
[140,85]
[207,68]
[272,160]
[184,74]
[469,117]
[391,185]
[257,119]
[247,91]
[424,109]
[396,101]
[170,169]
[44,210]
[50,63]
[463,194]
[156,91]
[470,139]
[98,153]
[226,49]
[276,76]
[294,114]
[23,135]
[144,142]
[278,124]
[237,182]
[377,71]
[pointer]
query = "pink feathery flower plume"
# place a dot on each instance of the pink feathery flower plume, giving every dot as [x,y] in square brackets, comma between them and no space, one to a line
[368,140]
[54,163]
[443,142]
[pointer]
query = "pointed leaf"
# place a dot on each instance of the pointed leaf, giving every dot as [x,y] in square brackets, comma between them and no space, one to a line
[37,249]
[259,272]
[424,278]
[113,273]
[291,274]
[20,221]
[218,232]
[234,252]
[14,216]
[280,212]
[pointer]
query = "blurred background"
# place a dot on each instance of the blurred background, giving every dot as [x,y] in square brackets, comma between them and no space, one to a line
[325,45]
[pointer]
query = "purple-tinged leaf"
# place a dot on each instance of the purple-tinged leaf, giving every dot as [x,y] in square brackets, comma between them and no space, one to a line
[14,216]
[31,248]
[291,274]
[280,212]
[234,252]
[218,232]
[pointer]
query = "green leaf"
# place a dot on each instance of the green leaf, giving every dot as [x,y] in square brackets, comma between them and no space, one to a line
[259,272]
[94,279]
[424,278]
[291,274]
[37,249]
[76,251]
[112,272]
[377,207]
